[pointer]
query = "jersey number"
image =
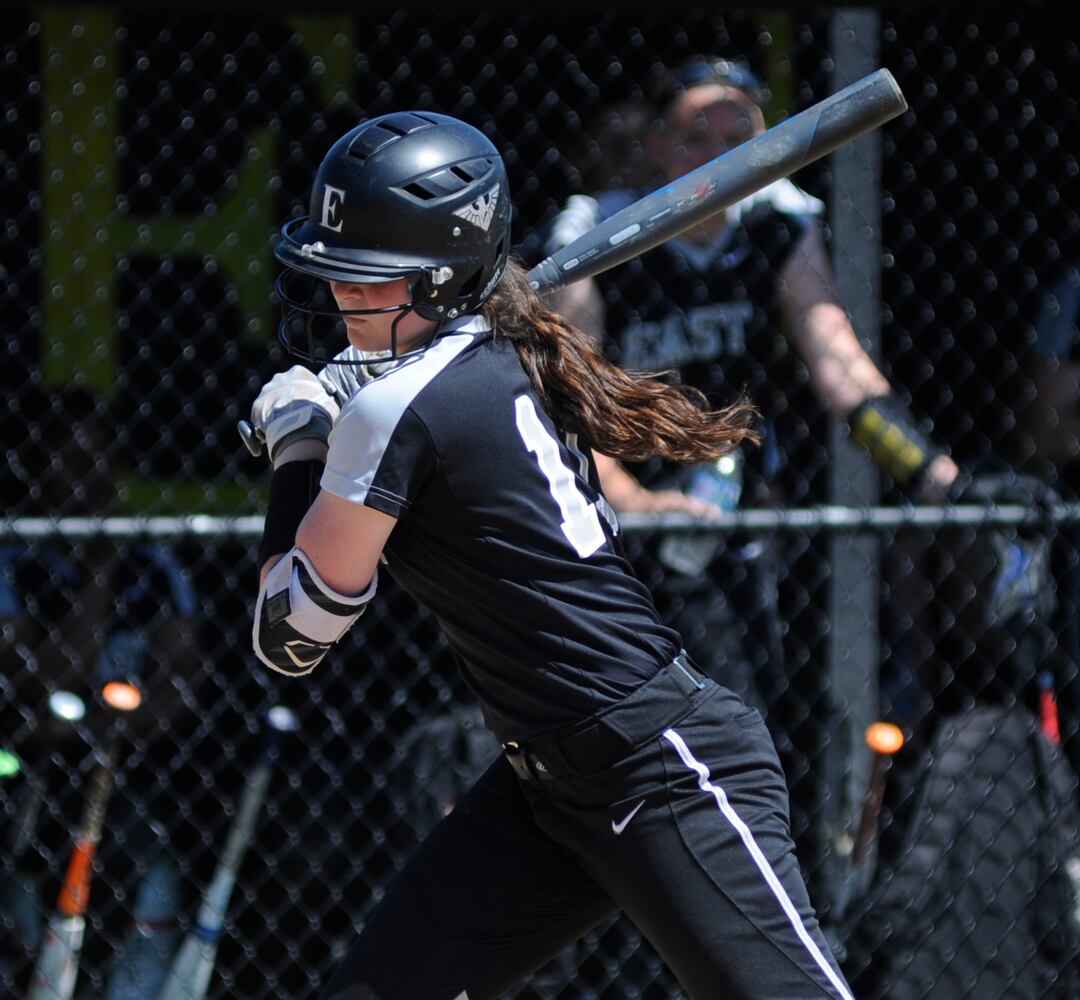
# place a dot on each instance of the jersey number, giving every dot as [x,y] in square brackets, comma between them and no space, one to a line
[581,524]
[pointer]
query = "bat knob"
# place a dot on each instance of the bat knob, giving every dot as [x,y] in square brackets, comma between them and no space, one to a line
[546,276]
[250,437]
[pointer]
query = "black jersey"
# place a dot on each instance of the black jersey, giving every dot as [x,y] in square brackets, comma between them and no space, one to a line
[709,313]
[502,532]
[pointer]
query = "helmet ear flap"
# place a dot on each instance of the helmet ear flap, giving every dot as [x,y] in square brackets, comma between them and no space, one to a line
[423,292]
[470,284]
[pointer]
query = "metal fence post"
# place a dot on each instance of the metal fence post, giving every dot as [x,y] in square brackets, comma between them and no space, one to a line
[853,654]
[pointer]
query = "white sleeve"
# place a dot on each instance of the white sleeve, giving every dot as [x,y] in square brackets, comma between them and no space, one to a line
[580,214]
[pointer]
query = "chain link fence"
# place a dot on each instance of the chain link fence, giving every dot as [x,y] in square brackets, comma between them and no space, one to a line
[148,160]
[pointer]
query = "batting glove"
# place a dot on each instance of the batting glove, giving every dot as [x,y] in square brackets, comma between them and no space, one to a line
[343,379]
[1021,586]
[292,406]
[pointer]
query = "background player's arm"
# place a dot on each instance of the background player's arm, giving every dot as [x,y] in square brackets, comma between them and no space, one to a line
[628,496]
[841,370]
[582,304]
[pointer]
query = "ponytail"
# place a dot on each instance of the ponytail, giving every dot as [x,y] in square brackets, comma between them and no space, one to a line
[630,416]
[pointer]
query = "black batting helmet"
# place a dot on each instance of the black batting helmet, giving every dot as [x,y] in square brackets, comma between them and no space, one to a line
[409,194]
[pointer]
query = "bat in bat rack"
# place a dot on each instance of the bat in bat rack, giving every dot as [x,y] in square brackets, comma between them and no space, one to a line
[191,970]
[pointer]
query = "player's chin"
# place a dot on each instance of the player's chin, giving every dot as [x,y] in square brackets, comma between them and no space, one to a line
[361,337]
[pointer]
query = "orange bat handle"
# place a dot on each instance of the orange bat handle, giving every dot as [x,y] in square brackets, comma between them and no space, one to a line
[75,892]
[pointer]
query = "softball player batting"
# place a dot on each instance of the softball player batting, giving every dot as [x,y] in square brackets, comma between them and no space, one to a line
[462,462]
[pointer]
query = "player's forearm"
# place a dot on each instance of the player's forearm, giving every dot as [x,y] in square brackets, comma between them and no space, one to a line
[621,489]
[628,496]
[840,369]
[293,487]
[308,449]
[857,392]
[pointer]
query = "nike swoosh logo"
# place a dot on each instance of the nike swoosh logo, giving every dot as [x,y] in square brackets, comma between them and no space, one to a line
[309,645]
[618,828]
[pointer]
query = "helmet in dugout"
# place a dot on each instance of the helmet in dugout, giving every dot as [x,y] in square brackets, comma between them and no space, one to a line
[407,195]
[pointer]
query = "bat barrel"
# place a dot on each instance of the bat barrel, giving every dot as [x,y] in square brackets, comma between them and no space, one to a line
[700,194]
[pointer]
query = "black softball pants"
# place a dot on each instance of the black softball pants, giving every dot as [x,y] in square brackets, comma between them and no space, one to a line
[729,620]
[687,832]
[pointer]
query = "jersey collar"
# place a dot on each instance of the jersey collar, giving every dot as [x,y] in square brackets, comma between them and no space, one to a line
[470,323]
[703,256]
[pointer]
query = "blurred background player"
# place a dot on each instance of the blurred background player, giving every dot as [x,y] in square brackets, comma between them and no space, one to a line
[715,305]
[728,307]
[1051,421]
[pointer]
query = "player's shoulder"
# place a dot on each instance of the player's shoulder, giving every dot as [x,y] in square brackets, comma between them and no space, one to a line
[583,212]
[381,402]
[782,197]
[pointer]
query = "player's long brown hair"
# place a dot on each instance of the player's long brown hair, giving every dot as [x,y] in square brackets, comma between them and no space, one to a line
[627,415]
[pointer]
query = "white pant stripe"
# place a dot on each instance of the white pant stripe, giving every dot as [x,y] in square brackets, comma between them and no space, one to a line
[759,859]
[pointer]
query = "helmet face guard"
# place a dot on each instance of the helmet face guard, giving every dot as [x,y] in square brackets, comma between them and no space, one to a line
[307,303]
[409,195]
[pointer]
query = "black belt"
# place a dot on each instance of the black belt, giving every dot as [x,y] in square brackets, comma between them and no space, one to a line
[650,709]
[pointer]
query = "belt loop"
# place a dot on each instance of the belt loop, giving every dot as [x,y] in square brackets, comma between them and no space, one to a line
[527,766]
[516,759]
[685,673]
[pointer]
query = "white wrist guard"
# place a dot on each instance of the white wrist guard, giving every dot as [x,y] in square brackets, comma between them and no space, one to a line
[298,617]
